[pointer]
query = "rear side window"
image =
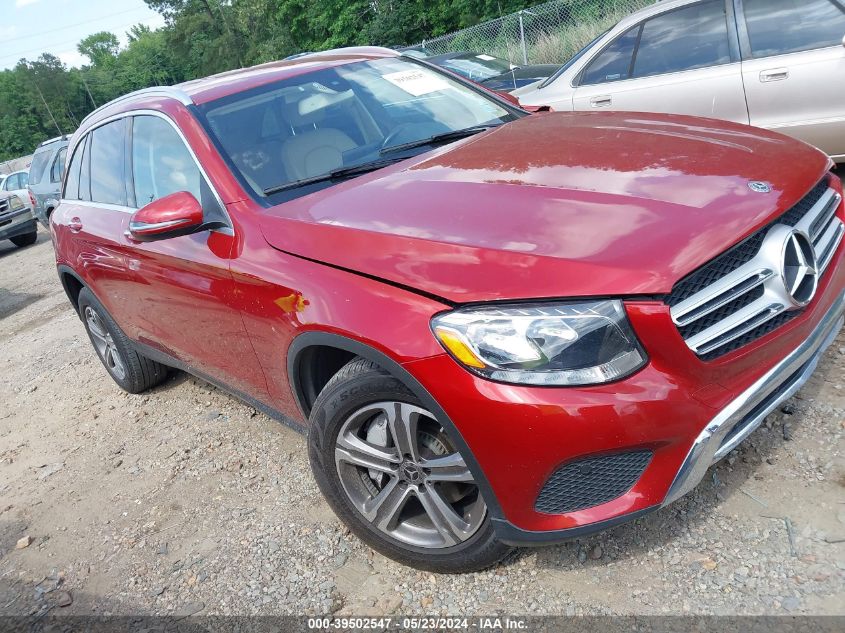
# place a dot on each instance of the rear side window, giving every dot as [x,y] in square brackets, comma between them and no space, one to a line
[107,163]
[73,172]
[58,166]
[614,62]
[776,27]
[24,179]
[161,163]
[685,39]
[39,162]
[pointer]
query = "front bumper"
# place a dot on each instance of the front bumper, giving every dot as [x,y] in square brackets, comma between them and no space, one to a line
[17,223]
[744,414]
[686,412]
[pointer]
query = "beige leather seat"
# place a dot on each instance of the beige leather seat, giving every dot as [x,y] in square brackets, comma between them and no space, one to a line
[312,150]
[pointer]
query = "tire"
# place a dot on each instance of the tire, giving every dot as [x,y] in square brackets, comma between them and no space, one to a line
[356,404]
[27,239]
[129,369]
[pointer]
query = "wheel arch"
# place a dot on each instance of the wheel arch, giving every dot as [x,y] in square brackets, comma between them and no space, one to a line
[298,369]
[72,284]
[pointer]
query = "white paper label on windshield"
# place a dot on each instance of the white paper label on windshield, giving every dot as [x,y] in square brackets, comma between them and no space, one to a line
[417,82]
[486,58]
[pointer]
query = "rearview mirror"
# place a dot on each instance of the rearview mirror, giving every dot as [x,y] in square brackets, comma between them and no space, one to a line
[178,214]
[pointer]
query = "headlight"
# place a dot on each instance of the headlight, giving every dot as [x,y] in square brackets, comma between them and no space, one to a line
[15,203]
[553,344]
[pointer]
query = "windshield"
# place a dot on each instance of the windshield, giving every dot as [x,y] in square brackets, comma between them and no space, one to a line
[477,67]
[316,124]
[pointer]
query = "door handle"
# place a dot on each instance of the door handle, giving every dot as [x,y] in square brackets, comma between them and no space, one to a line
[75,225]
[601,102]
[776,74]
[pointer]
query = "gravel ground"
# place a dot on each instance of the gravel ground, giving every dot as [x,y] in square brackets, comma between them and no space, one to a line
[184,500]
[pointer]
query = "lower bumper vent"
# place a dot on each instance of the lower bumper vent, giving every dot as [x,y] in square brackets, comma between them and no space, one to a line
[590,482]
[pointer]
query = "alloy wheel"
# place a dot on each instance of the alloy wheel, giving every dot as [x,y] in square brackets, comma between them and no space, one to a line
[400,470]
[104,344]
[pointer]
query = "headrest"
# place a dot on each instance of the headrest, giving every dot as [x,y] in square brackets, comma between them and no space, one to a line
[312,109]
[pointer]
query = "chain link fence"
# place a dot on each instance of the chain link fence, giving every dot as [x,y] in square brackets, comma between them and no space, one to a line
[548,33]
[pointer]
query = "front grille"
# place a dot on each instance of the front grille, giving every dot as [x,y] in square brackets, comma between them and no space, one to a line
[740,295]
[591,481]
[752,335]
[723,265]
[4,205]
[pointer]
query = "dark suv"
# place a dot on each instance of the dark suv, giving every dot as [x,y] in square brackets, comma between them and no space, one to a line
[45,177]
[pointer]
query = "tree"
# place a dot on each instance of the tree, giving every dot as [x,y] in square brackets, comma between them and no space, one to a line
[202,37]
[101,48]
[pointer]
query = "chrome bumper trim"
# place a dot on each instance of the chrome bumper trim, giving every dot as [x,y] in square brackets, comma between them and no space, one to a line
[744,414]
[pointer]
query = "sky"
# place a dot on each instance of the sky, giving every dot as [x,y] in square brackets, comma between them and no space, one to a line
[31,27]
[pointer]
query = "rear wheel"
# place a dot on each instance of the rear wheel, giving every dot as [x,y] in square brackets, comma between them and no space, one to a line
[393,474]
[129,369]
[27,239]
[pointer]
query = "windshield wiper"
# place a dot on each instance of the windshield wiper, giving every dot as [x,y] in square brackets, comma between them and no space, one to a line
[438,138]
[336,174]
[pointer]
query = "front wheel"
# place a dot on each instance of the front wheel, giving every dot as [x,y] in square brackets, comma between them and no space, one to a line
[393,474]
[27,239]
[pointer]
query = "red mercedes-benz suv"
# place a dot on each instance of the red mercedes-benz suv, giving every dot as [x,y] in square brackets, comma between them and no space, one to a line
[499,328]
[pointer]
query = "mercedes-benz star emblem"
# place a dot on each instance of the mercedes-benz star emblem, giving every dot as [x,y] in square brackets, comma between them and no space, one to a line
[411,473]
[758,186]
[800,268]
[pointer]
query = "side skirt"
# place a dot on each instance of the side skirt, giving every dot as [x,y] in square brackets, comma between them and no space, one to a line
[166,359]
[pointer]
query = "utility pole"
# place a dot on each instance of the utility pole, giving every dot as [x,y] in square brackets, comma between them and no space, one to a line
[49,111]
[522,34]
[522,40]
[87,89]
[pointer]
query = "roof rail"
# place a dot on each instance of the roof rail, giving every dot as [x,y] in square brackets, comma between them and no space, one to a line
[63,137]
[155,91]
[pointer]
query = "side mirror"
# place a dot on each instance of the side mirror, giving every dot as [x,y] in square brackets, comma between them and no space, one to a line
[178,214]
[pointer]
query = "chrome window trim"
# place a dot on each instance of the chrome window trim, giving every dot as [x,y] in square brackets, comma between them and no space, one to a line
[101,205]
[158,91]
[126,209]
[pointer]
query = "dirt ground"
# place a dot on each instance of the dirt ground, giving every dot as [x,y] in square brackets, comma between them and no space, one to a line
[184,500]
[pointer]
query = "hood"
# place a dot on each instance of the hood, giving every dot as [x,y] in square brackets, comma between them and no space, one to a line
[554,205]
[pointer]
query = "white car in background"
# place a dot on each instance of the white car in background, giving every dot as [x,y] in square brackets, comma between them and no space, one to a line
[776,64]
[16,183]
